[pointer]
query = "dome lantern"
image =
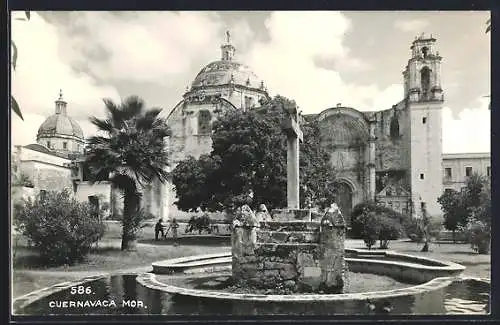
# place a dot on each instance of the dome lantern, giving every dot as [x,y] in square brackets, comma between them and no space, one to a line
[228,49]
[61,104]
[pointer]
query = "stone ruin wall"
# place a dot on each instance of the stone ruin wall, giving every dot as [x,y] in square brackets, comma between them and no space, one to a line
[291,252]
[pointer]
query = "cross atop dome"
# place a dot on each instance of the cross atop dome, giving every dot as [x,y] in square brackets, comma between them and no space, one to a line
[60,95]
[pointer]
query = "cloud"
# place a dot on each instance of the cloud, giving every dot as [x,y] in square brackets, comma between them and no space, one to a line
[93,54]
[388,97]
[470,132]
[413,25]
[41,72]
[141,46]
[286,61]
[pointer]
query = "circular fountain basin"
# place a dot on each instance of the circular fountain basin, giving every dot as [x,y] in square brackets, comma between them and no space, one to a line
[403,267]
[426,280]
[445,294]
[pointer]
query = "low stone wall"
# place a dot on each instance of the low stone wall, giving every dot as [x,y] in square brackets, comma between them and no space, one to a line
[290,252]
[406,268]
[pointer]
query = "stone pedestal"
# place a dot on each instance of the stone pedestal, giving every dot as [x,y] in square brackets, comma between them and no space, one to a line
[291,252]
[332,252]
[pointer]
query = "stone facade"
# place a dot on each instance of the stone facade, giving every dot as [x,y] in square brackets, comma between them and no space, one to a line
[219,86]
[394,148]
[297,251]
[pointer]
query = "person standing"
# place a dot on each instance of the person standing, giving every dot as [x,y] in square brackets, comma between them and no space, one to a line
[174,225]
[159,229]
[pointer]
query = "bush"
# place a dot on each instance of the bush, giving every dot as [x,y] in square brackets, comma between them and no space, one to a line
[413,230]
[389,229]
[370,228]
[358,210]
[372,222]
[59,227]
[479,236]
[199,224]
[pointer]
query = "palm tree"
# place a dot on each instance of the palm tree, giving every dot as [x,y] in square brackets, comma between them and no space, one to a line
[488,29]
[14,104]
[129,157]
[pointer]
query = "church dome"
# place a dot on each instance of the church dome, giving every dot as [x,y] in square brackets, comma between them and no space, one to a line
[60,123]
[227,71]
[224,72]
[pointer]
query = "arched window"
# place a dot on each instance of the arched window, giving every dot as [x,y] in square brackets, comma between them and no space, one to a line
[425,51]
[425,80]
[394,130]
[204,118]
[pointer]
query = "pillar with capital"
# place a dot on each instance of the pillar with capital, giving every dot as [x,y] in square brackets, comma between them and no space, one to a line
[294,136]
[371,158]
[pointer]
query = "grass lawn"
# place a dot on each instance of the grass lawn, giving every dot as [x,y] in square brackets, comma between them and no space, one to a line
[29,274]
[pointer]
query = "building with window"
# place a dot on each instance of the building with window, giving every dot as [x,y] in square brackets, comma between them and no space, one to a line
[458,166]
[392,155]
[54,163]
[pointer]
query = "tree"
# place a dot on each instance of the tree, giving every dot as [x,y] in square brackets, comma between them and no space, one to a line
[248,155]
[14,104]
[62,229]
[454,209]
[371,221]
[130,156]
[193,179]
[478,228]
[470,210]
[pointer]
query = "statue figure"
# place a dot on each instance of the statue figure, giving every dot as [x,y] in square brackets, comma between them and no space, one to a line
[263,215]
[248,218]
[333,217]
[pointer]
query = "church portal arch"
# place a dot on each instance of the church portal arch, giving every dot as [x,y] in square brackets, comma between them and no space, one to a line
[344,196]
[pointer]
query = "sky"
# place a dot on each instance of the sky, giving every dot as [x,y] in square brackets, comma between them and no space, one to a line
[317,58]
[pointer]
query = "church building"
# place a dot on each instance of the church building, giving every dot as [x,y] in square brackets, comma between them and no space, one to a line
[392,156]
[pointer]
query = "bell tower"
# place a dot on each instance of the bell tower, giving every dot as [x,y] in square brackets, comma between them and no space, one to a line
[422,76]
[424,98]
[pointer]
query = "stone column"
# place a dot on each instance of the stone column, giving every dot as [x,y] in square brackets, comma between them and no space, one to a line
[332,258]
[371,159]
[294,136]
[292,187]
[164,201]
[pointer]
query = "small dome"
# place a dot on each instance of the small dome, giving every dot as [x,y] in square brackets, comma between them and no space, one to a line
[59,124]
[221,72]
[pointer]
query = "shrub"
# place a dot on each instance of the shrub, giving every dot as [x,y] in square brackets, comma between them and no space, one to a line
[389,229]
[59,227]
[479,236]
[413,230]
[370,228]
[199,224]
[372,222]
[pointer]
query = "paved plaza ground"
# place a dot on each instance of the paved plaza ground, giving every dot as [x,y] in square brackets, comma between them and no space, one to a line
[30,275]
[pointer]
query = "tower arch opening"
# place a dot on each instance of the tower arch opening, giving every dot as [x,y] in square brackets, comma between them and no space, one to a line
[425,81]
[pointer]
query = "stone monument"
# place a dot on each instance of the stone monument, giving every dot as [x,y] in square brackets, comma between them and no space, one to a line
[296,249]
